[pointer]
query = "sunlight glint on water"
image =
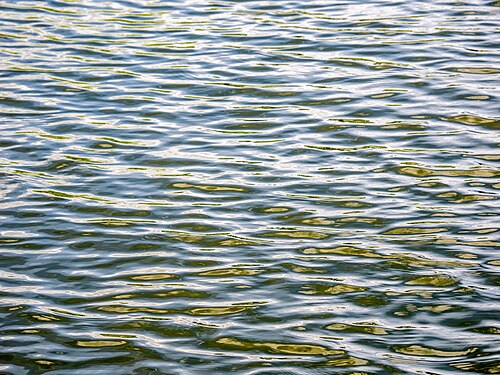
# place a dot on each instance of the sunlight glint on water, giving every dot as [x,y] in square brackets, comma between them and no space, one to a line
[256,187]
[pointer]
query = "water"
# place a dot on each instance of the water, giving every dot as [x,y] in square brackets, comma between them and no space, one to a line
[254,187]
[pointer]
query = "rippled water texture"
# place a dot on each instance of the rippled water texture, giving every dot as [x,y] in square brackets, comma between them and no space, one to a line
[254,187]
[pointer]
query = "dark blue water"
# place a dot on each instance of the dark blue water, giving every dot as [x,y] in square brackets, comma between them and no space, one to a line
[249,187]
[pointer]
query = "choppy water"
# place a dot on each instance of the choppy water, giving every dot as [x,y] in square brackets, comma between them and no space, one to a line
[257,187]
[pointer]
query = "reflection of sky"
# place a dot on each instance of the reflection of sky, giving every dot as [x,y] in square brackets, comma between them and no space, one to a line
[332,64]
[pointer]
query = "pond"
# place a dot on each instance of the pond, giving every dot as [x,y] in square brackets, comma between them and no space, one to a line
[248,186]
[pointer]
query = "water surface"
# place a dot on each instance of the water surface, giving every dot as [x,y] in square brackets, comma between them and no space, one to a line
[254,187]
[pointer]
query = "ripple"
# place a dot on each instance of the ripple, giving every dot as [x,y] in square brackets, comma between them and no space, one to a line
[248,187]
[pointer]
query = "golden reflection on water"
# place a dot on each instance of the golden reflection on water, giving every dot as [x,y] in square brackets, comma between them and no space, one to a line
[248,187]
